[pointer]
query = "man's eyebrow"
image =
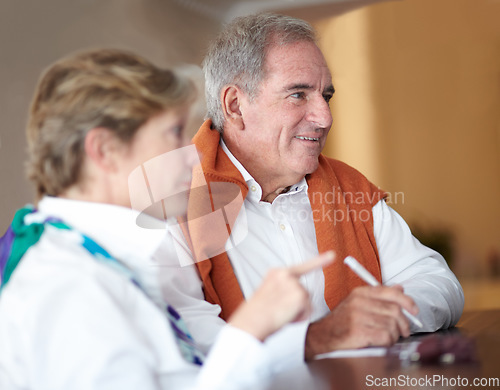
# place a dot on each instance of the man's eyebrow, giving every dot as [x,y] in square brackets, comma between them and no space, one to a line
[329,90]
[294,87]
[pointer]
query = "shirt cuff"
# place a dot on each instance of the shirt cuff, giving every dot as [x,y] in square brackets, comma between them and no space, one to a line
[286,347]
[236,360]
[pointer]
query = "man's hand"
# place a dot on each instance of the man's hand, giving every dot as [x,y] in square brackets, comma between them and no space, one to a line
[369,316]
[279,300]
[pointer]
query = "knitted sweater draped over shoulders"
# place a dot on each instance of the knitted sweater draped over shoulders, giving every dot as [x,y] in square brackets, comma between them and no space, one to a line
[341,200]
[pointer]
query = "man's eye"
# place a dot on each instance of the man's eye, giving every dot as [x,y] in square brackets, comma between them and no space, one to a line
[298,95]
[327,98]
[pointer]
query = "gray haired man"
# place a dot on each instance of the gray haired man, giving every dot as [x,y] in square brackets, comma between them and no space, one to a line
[268,91]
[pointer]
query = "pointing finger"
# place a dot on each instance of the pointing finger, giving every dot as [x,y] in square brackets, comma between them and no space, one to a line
[315,263]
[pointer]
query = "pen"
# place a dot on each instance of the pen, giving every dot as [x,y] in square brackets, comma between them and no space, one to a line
[370,279]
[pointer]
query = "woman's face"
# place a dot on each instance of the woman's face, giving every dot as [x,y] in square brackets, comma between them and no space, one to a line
[156,165]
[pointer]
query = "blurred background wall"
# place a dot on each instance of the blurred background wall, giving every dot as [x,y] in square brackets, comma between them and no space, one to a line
[417,107]
[418,110]
[34,34]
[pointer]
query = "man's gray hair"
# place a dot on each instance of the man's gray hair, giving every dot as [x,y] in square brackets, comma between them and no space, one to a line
[237,55]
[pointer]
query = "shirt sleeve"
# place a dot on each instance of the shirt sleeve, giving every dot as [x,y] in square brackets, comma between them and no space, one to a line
[237,360]
[183,288]
[421,271]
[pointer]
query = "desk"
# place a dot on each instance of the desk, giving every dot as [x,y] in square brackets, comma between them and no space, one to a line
[369,373]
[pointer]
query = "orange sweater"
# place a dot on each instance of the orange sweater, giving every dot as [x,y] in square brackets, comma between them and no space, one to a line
[341,200]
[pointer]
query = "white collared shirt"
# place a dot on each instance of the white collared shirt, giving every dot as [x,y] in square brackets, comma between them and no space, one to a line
[69,322]
[282,233]
[285,238]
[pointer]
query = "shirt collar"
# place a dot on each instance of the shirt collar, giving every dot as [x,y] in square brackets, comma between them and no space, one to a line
[257,190]
[246,175]
[113,227]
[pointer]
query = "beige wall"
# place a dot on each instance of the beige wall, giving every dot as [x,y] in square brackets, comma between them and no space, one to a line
[417,109]
[33,34]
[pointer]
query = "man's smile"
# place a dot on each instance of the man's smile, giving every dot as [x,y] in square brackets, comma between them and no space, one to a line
[307,138]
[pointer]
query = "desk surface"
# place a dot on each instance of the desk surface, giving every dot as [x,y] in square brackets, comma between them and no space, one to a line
[379,373]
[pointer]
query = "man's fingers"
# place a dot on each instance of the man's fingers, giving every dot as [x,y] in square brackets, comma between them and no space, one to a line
[391,294]
[310,265]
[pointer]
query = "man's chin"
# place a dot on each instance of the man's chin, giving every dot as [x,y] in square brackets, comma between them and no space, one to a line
[310,167]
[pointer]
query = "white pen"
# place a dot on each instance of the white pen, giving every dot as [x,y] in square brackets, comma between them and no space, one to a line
[370,279]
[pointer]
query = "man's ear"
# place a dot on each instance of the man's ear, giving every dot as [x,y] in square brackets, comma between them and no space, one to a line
[231,98]
[102,148]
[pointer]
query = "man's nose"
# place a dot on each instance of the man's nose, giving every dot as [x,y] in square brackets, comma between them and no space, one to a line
[319,113]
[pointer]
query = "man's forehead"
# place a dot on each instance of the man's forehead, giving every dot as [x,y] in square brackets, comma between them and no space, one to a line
[290,63]
[284,80]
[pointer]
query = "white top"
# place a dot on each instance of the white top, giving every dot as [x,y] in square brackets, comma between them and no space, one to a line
[68,321]
[282,233]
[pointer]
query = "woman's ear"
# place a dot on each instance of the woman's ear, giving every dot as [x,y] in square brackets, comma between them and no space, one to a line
[103,148]
[231,98]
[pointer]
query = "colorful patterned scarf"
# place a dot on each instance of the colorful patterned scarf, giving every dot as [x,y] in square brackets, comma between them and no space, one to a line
[21,236]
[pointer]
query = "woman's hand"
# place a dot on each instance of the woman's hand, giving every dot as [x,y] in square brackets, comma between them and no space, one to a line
[279,300]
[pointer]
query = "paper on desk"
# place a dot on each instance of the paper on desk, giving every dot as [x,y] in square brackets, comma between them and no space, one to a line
[351,353]
[402,350]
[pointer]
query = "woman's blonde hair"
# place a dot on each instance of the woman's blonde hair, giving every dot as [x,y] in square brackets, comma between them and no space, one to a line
[107,88]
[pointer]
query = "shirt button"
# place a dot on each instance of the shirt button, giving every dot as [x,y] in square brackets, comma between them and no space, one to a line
[253,188]
[282,227]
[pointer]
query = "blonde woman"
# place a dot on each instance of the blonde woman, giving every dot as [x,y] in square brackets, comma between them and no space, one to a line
[80,304]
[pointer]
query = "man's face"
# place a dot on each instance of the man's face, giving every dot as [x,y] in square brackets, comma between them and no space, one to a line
[286,125]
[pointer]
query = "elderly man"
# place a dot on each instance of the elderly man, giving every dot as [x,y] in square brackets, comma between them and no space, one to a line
[268,90]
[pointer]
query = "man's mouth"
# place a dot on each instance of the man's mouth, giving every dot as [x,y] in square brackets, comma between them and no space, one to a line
[307,138]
